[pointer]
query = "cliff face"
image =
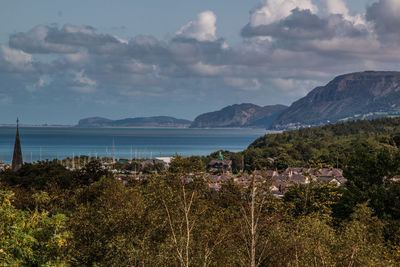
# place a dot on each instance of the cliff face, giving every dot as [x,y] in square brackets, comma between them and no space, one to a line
[160,121]
[243,115]
[352,96]
[363,95]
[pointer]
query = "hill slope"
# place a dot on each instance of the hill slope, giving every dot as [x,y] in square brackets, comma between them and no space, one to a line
[160,121]
[329,144]
[362,95]
[242,115]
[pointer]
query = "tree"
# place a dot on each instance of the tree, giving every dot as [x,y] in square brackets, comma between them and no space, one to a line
[312,198]
[192,219]
[361,240]
[31,238]
[302,241]
[183,165]
[256,218]
[110,226]
[368,170]
[91,172]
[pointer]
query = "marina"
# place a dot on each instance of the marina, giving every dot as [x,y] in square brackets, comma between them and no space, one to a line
[47,143]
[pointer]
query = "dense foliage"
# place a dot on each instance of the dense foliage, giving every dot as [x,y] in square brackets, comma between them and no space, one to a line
[326,145]
[50,216]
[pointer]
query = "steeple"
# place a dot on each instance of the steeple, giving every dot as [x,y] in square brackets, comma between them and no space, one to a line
[17,156]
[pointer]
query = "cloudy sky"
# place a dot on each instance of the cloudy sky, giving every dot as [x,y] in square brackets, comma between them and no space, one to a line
[65,60]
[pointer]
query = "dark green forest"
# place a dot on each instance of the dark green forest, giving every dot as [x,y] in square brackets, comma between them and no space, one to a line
[329,145]
[51,216]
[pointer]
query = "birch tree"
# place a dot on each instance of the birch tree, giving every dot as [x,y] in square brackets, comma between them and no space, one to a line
[192,219]
[256,218]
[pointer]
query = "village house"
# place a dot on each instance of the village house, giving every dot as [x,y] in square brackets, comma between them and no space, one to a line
[220,179]
[219,166]
[153,162]
[334,175]
[271,173]
[293,176]
[215,181]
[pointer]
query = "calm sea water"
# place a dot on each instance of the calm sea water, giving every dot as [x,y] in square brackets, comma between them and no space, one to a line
[49,143]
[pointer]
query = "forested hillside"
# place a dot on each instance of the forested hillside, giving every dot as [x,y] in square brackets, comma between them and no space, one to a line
[328,145]
[52,216]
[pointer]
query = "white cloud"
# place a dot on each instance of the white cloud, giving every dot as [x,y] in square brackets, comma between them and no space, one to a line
[121,40]
[335,7]
[283,83]
[354,47]
[201,29]
[296,48]
[75,29]
[135,66]
[243,84]
[340,7]
[43,81]
[69,39]
[35,41]
[79,57]
[15,60]
[274,10]
[385,16]
[83,84]
[207,70]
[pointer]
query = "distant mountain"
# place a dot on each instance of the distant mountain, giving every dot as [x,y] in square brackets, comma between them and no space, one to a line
[94,122]
[160,121]
[363,95]
[243,115]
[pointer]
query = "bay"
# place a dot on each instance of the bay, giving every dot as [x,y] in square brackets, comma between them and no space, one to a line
[46,143]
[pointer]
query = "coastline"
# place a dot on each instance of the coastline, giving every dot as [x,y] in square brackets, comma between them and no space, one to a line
[132,127]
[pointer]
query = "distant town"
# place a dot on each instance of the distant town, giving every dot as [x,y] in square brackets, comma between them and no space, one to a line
[218,170]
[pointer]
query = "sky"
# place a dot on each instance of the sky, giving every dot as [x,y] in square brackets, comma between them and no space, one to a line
[61,61]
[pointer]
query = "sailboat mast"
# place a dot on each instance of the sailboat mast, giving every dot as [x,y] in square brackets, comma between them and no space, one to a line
[113,150]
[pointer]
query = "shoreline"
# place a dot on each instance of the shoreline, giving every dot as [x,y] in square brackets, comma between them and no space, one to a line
[132,127]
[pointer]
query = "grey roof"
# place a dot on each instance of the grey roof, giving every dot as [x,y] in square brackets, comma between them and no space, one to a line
[220,178]
[329,172]
[222,162]
[298,178]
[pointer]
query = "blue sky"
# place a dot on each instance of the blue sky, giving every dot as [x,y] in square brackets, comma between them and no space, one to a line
[65,60]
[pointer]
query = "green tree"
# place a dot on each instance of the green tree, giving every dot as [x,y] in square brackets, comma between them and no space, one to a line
[312,198]
[186,165]
[257,207]
[31,238]
[110,226]
[303,241]
[193,222]
[361,240]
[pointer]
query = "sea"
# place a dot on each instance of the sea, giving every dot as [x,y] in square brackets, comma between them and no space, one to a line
[47,143]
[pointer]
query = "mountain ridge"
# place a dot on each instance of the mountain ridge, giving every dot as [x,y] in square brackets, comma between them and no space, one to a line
[239,116]
[353,96]
[358,95]
[155,121]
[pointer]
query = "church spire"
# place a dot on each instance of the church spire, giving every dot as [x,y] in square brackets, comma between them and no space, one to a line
[17,156]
